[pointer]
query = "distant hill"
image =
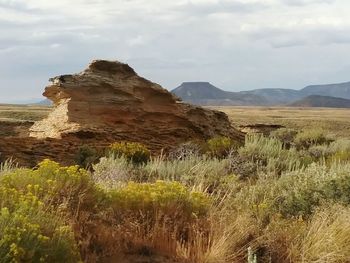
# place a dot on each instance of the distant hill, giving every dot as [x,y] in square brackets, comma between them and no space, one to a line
[204,93]
[276,96]
[45,102]
[340,90]
[322,101]
[38,101]
[285,96]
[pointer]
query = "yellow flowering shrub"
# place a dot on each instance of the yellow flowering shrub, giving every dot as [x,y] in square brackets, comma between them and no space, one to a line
[54,184]
[132,151]
[167,197]
[158,215]
[29,233]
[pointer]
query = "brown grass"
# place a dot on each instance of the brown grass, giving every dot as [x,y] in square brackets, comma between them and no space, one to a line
[333,121]
[23,112]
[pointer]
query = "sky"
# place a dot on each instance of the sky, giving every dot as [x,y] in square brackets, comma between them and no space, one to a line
[234,44]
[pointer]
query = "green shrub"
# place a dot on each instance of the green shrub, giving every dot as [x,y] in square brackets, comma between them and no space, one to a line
[318,152]
[270,154]
[132,151]
[111,171]
[307,138]
[285,135]
[300,192]
[243,166]
[87,156]
[340,145]
[193,170]
[260,148]
[221,146]
[339,151]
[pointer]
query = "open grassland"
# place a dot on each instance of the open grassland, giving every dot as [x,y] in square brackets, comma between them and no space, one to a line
[22,112]
[334,121]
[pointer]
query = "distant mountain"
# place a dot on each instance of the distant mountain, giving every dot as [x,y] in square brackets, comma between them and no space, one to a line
[340,90]
[204,93]
[276,96]
[45,102]
[37,101]
[321,101]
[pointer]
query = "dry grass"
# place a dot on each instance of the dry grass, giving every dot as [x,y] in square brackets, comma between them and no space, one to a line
[333,121]
[323,238]
[23,112]
[327,238]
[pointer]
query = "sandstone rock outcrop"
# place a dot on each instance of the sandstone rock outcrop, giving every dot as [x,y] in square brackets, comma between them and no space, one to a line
[109,102]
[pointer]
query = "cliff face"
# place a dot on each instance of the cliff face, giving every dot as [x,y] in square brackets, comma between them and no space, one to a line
[109,102]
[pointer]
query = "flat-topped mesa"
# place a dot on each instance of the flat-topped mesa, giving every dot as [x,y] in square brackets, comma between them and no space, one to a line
[109,101]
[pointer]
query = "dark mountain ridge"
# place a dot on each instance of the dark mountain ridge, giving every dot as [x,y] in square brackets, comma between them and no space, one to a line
[204,93]
[339,90]
[321,101]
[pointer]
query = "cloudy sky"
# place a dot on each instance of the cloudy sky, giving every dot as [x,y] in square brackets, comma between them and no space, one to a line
[234,44]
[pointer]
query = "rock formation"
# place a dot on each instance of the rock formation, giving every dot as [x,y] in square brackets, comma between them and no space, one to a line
[109,102]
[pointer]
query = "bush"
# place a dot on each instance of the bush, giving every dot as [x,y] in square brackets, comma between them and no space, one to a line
[161,216]
[221,146]
[56,185]
[318,152]
[185,150]
[298,193]
[194,170]
[87,156]
[112,171]
[135,152]
[339,151]
[30,233]
[307,138]
[270,154]
[170,198]
[340,145]
[285,135]
[243,167]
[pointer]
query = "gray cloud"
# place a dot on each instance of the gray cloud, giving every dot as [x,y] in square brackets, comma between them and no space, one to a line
[236,45]
[306,2]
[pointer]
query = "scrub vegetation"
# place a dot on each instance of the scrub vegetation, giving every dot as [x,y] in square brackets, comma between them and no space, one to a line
[278,198]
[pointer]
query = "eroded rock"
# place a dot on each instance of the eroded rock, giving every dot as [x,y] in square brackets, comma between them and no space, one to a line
[109,102]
